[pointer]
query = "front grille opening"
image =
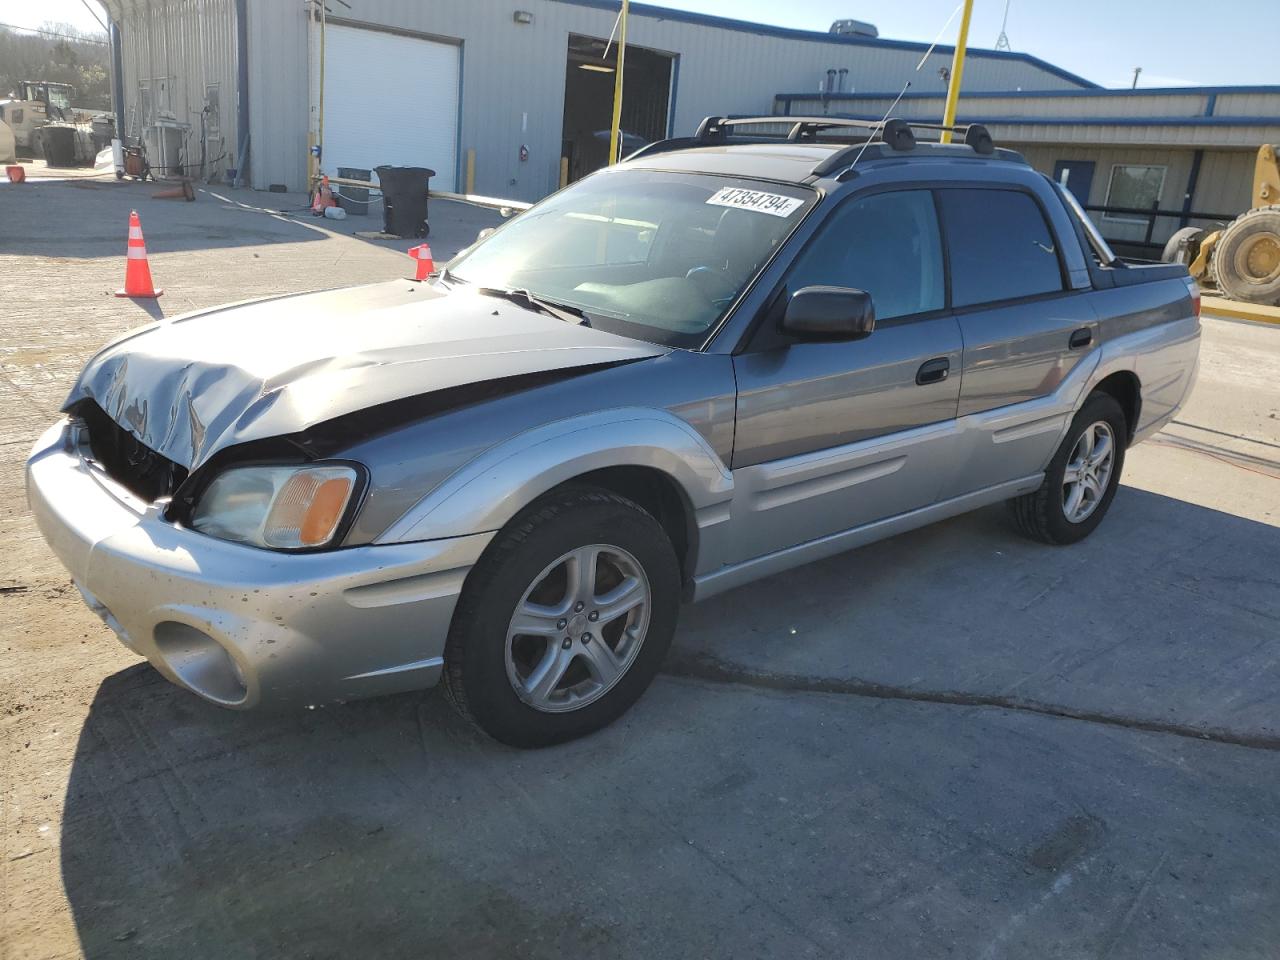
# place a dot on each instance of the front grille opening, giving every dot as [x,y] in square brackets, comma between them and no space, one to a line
[126,460]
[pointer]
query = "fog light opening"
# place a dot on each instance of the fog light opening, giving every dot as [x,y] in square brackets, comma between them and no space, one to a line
[201,663]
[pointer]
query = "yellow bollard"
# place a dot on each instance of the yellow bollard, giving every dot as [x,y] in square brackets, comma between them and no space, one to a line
[957,72]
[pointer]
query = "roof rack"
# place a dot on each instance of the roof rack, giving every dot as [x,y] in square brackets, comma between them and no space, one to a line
[896,134]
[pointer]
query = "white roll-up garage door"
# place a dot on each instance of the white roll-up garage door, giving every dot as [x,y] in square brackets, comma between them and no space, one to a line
[389,99]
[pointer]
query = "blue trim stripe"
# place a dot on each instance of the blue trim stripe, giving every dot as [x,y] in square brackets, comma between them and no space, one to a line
[1102,121]
[789,33]
[1036,94]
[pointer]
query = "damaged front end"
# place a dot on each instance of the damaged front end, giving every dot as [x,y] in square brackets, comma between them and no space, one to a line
[190,388]
[123,457]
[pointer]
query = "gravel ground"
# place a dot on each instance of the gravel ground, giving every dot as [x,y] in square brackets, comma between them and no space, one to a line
[953,743]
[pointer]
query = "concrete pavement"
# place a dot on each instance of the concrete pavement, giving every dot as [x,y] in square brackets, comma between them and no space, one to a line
[953,743]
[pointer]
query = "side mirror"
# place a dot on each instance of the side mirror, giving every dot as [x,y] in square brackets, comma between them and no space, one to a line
[830,313]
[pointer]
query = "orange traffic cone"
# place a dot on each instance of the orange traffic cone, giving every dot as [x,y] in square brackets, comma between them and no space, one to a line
[422,254]
[137,273]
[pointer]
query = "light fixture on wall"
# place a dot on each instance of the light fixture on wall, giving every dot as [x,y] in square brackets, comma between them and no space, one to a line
[522,16]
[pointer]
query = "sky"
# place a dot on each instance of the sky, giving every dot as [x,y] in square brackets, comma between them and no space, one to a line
[1176,42]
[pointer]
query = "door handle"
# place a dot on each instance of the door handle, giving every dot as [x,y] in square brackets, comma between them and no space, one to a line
[933,371]
[1080,338]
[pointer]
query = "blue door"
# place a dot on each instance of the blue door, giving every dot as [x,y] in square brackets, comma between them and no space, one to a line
[1076,176]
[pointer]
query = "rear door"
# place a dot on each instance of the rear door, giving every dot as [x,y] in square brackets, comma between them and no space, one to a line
[833,435]
[1023,330]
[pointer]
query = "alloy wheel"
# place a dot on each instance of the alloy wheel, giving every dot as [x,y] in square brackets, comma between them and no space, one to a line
[578,628]
[1088,472]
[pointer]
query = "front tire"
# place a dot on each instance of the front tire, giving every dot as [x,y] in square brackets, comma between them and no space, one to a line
[564,622]
[1081,479]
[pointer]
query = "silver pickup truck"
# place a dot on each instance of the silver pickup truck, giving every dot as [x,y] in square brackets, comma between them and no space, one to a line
[731,354]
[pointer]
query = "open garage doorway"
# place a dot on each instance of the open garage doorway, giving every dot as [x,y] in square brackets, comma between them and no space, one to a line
[588,102]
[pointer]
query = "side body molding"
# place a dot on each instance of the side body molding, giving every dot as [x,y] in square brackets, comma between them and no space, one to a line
[491,489]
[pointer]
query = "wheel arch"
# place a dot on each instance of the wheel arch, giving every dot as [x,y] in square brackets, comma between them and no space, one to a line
[1126,389]
[661,496]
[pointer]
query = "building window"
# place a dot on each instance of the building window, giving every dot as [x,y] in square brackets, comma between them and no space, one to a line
[1134,185]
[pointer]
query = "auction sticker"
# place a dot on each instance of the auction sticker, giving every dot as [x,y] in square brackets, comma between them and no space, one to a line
[774,204]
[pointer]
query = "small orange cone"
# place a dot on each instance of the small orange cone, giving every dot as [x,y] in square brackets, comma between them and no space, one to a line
[422,254]
[137,273]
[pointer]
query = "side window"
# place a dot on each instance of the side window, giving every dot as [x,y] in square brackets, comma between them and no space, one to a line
[886,244]
[1134,185]
[1000,246]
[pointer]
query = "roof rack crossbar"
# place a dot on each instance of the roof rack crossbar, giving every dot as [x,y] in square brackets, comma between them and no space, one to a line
[897,133]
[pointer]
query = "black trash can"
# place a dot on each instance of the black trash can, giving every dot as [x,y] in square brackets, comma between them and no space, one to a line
[354,200]
[404,200]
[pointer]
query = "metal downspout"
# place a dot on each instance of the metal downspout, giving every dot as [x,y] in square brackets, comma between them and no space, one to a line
[117,77]
[242,92]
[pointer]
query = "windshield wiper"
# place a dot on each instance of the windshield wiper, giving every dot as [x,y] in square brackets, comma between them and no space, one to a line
[561,311]
[450,279]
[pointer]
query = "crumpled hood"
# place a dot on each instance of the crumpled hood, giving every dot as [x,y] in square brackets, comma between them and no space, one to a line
[192,386]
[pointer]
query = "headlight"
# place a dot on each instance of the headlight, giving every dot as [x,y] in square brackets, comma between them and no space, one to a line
[284,508]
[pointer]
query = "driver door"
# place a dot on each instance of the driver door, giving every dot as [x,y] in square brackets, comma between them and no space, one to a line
[834,435]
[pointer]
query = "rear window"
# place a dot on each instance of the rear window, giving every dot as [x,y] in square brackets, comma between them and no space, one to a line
[1000,246]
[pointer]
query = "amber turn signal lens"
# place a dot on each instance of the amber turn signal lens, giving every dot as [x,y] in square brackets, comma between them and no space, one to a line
[308,507]
[322,517]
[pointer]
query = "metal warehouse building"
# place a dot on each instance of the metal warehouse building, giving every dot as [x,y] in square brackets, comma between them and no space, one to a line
[1184,153]
[512,97]
[491,94]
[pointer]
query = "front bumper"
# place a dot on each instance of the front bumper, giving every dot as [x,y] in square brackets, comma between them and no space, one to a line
[238,625]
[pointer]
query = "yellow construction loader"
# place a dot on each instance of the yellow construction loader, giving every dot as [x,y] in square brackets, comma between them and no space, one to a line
[1243,258]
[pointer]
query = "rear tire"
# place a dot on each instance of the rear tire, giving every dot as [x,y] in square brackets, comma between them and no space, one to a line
[1184,246]
[1246,260]
[1066,508]
[553,571]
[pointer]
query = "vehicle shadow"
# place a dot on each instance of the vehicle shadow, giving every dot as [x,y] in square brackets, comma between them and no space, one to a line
[1167,613]
[391,828]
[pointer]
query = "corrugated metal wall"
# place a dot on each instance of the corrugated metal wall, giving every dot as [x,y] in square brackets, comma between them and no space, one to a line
[279,108]
[177,50]
[1223,186]
[514,76]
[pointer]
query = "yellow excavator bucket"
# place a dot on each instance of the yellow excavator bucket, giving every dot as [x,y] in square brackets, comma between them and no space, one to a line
[1266,176]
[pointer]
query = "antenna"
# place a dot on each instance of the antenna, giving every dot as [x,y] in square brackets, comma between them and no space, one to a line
[878,126]
[1002,41]
[905,87]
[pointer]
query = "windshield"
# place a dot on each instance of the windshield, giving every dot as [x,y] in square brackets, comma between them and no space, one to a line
[651,255]
[60,97]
